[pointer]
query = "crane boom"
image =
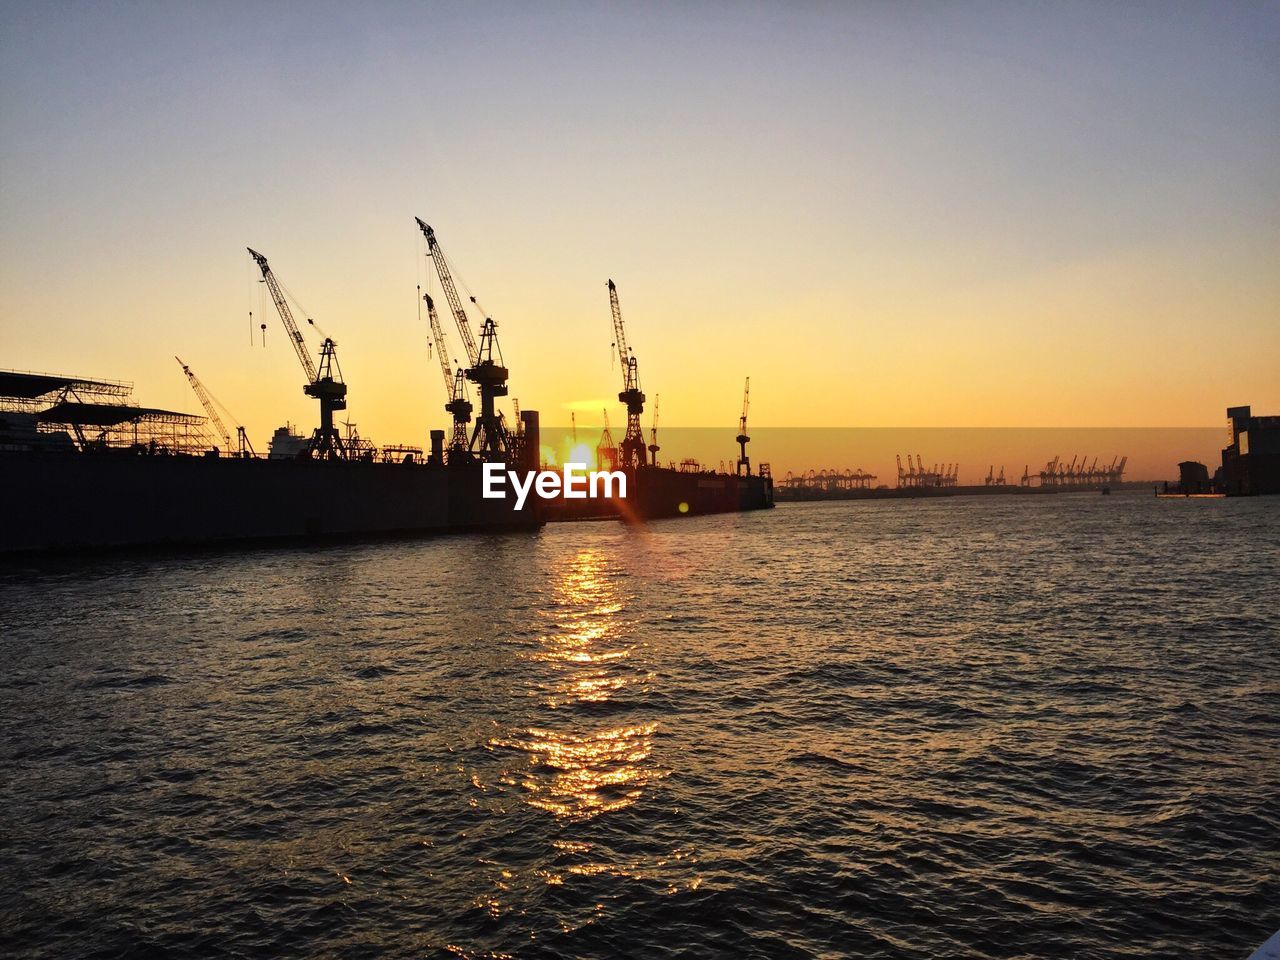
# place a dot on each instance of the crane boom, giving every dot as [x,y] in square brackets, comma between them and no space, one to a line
[455,386]
[450,292]
[653,433]
[206,401]
[323,383]
[744,464]
[437,335]
[632,449]
[286,315]
[620,341]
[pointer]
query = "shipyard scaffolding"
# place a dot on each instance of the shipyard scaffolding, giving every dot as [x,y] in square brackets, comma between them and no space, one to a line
[51,412]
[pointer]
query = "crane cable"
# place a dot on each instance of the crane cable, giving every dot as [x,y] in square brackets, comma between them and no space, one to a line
[306,314]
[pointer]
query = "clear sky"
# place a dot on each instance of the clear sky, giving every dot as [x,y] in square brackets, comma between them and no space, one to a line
[888,214]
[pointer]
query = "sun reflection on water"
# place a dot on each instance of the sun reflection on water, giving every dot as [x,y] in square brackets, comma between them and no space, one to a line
[576,768]
[582,776]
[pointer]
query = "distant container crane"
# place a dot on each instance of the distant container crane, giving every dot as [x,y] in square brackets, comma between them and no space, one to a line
[942,475]
[829,481]
[1076,475]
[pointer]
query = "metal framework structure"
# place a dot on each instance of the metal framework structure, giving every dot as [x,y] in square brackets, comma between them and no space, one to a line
[489,438]
[206,401]
[96,415]
[632,450]
[455,386]
[398,453]
[26,391]
[916,475]
[1079,474]
[211,406]
[653,433]
[827,481]
[606,449]
[744,464]
[325,383]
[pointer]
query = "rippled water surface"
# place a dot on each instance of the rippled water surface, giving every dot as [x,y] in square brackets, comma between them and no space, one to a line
[1005,727]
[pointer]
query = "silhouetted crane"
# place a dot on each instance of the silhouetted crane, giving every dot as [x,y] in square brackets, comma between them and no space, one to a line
[211,404]
[744,464]
[325,384]
[489,440]
[653,433]
[606,451]
[455,385]
[632,449]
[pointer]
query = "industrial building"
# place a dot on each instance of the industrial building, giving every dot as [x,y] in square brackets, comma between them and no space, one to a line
[1251,460]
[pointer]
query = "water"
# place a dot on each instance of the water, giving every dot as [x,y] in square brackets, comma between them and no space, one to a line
[987,727]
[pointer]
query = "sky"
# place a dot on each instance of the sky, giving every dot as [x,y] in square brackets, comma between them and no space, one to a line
[887,214]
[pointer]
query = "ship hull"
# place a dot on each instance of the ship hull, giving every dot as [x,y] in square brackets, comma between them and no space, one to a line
[657,492]
[86,501]
[663,492]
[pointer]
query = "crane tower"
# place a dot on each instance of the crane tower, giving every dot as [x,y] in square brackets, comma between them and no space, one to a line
[653,434]
[490,439]
[211,405]
[324,384]
[632,450]
[744,464]
[455,386]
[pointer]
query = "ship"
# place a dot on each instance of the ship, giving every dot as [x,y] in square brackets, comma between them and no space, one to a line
[672,492]
[86,468]
[656,491]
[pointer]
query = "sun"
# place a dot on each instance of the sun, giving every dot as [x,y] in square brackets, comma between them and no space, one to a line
[581,453]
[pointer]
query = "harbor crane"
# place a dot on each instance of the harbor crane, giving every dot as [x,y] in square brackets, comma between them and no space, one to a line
[450,291]
[455,386]
[606,451]
[211,404]
[489,439]
[744,464]
[324,384]
[207,402]
[632,451]
[653,433]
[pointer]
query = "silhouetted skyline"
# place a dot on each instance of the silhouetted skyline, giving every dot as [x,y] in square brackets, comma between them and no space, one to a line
[925,215]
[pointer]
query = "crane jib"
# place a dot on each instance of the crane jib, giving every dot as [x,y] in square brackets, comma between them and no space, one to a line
[450,292]
[286,315]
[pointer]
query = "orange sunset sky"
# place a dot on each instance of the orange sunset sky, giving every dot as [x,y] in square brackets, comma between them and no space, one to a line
[889,215]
